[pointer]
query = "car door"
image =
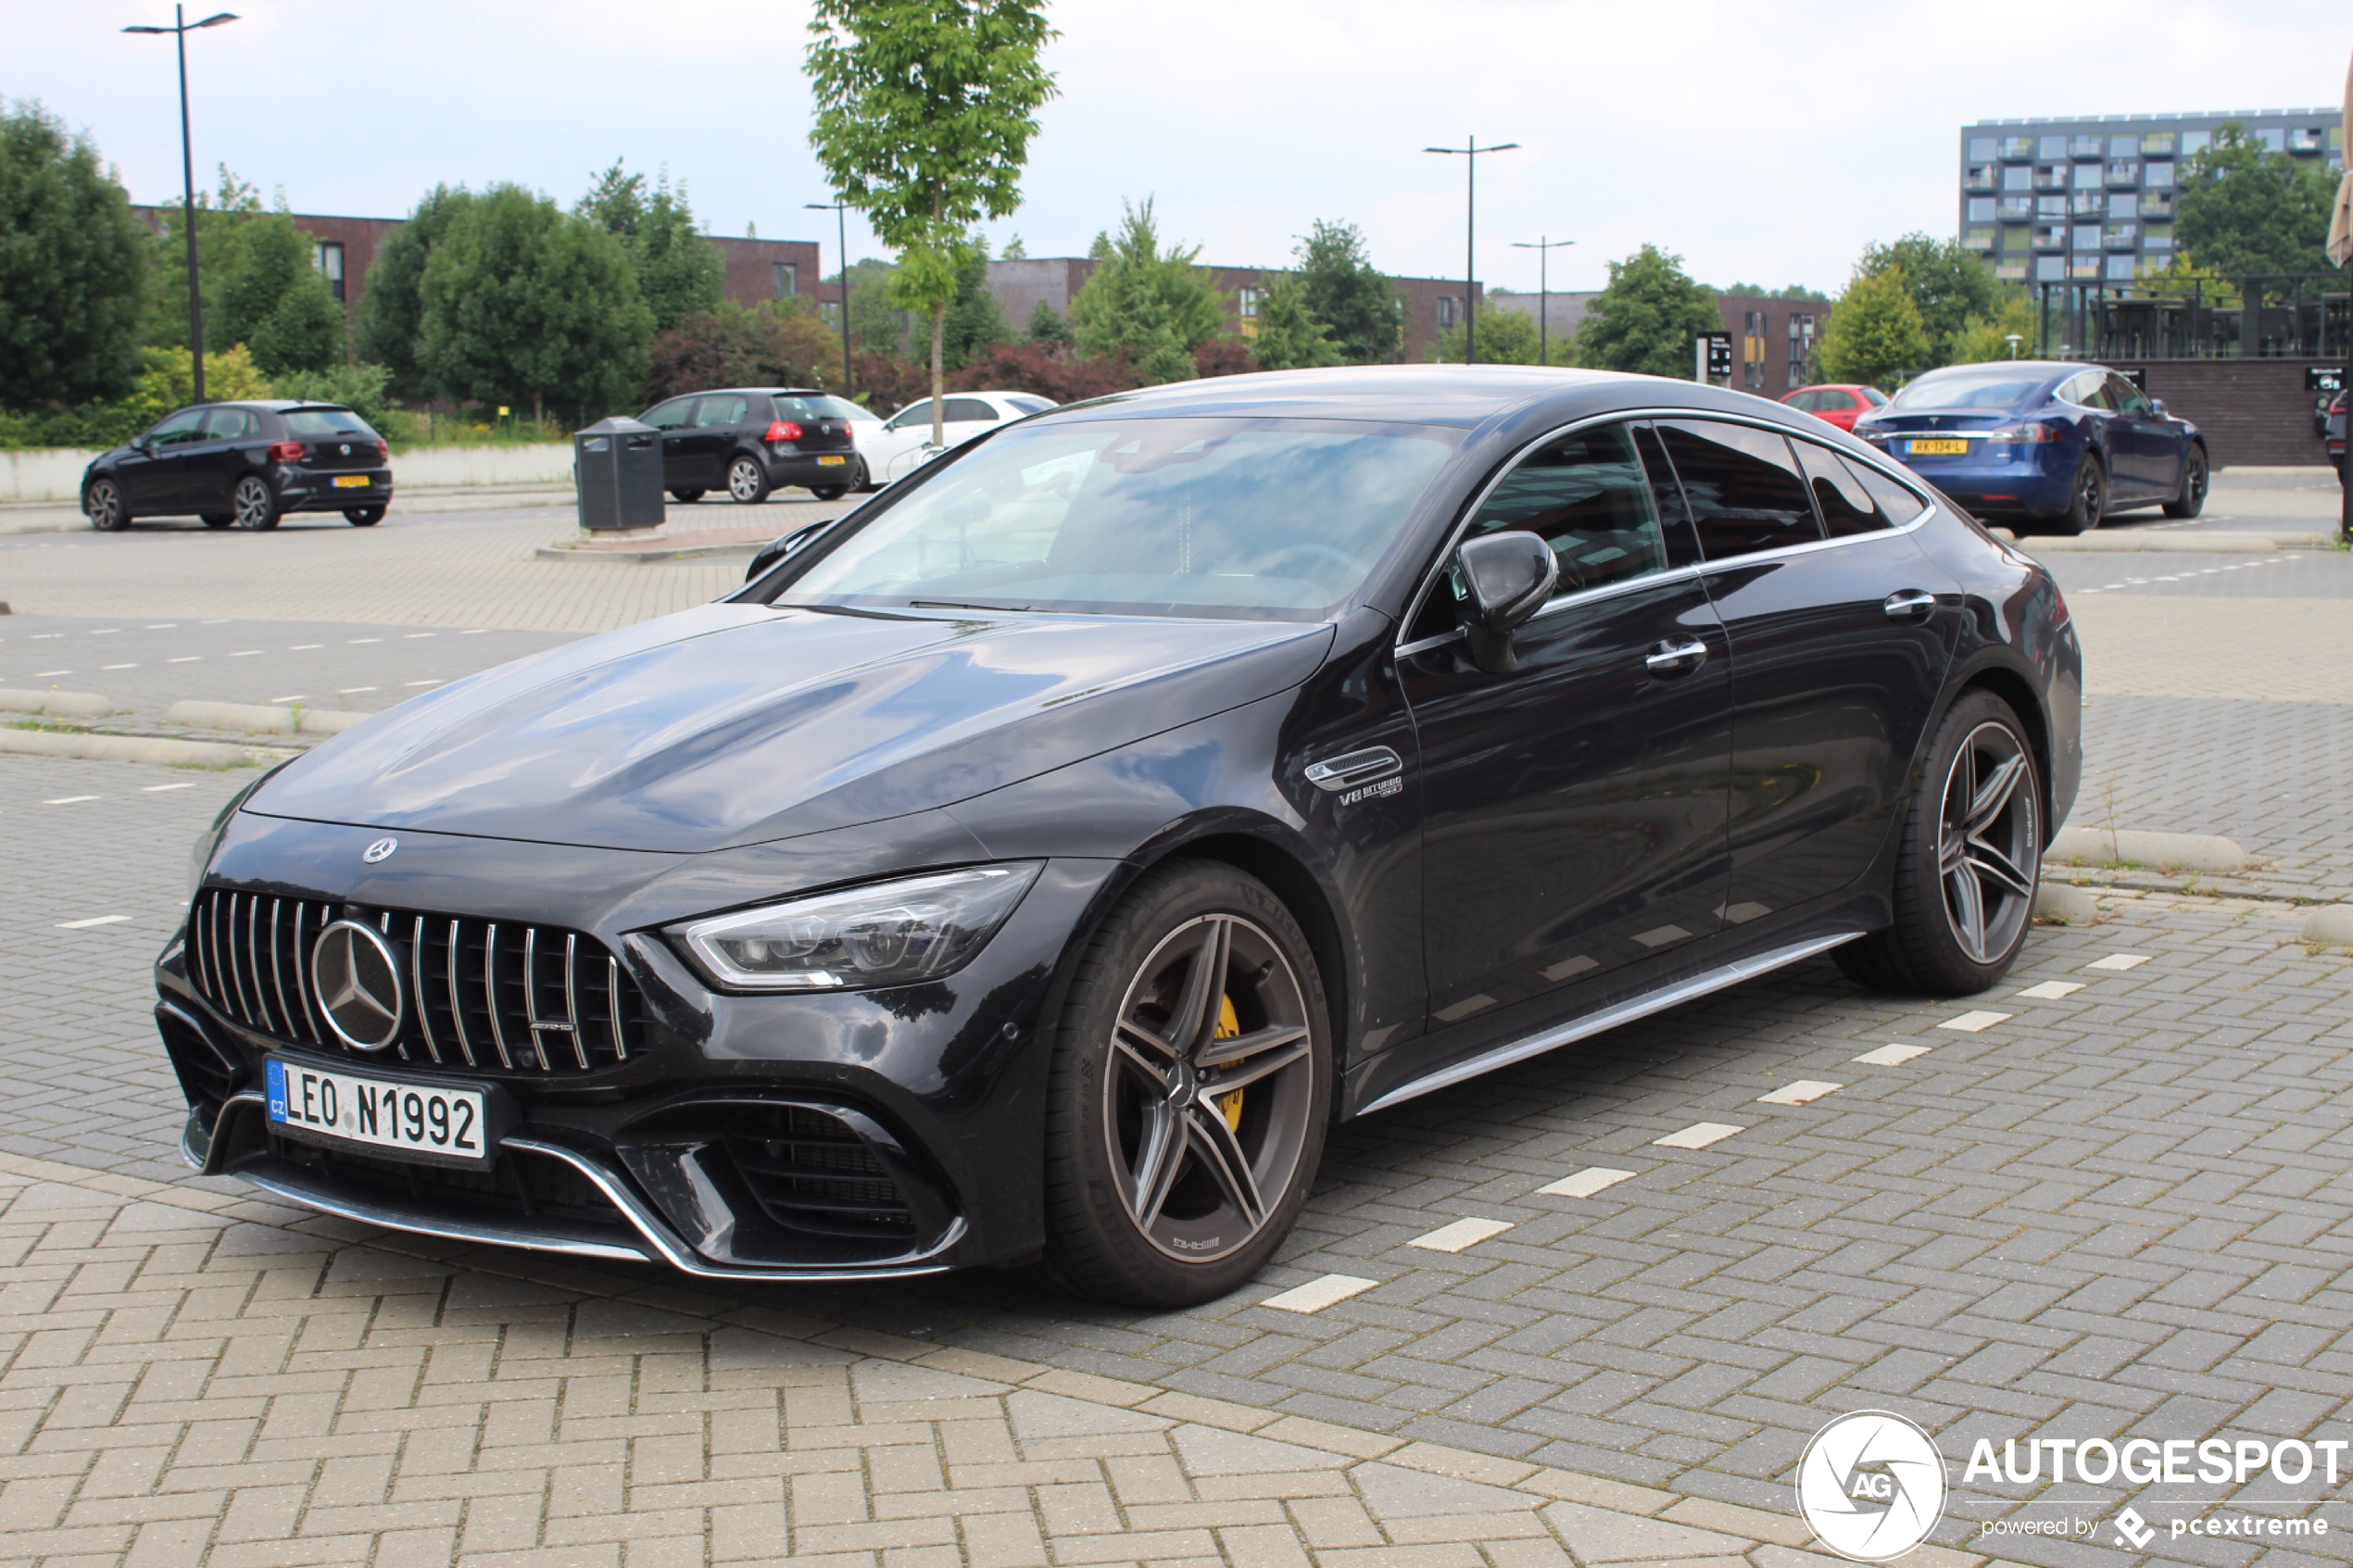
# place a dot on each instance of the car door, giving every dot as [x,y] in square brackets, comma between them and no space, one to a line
[1841,633]
[154,479]
[671,419]
[904,435]
[1574,807]
[2148,445]
[212,466]
[711,436]
[2088,392]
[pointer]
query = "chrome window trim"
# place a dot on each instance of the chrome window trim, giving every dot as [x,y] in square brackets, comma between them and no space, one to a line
[1893,472]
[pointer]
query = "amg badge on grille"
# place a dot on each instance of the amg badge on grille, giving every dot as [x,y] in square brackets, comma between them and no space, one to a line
[380,850]
[356,977]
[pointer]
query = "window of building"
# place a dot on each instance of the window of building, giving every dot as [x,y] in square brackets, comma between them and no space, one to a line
[1450,307]
[2085,267]
[1246,303]
[2088,204]
[2050,206]
[2086,146]
[2087,177]
[2051,147]
[327,256]
[2122,268]
[2123,146]
[2196,142]
[1980,209]
[1800,372]
[2123,204]
[2158,176]
[2160,238]
[1980,149]
[1978,239]
[2272,138]
[2017,149]
[2011,271]
[2087,237]
[2015,242]
[2050,269]
[2158,144]
[786,276]
[2051,179]
[2015,209]
[1978,177]
[2157,204]
[2018,179]
[2120,236]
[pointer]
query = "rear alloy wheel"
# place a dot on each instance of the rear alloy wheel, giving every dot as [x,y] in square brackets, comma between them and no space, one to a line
[2086,498]
[747,481]
[254,503]
[2191,499]
[104,505]
[363,517]
[688,496]
[1190,1087]
[1970,856]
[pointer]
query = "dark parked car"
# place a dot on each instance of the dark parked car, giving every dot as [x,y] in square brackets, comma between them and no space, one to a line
[2059,444]
[243,463]
[1037,861]
[2333,432]
[749,440]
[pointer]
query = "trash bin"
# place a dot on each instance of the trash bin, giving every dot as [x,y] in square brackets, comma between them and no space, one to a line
[617,473]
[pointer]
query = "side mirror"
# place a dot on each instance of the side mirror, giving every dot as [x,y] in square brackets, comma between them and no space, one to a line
[140,443]
[2157,407]
[1502,579]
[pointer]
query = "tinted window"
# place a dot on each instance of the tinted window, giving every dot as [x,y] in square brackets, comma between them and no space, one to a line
[1809,401]
[1027,404]
[318,425]
[232,424]
[837,408]
[805,410]
[671,415]
[1845,506]
[2125,395]
[178,430]
[729,408]
[1897,503]
[969,411]
[1973,387]
[1874,396]
[2087,391]
[1742,486]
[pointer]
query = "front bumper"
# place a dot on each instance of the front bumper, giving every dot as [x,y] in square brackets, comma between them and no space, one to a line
[315,490]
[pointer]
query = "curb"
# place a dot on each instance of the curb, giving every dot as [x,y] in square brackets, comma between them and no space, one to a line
[2063,903]
[57,705]
[293,718]
[132,748]
[2332,924]
[2182,851]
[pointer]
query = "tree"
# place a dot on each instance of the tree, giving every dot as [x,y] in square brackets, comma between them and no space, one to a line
[1949,286]
[73,267]
[362,388]
[925,113]
[523,302]
[168,380]
[1505,337]
[1289,336]
[1035,368]
[876,326]
[679,272]
[1047,328]
[2244,211]
[221,217]
[275,301]
[392,314]
[974,320]
[1987,338]
[744,346]
[1875,333]
[1363,309]
[1795,291]
[1645,320]
[1154,304]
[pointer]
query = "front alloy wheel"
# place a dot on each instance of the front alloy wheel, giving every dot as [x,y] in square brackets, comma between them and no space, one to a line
[254,503]
[104,506]
[1191,1090]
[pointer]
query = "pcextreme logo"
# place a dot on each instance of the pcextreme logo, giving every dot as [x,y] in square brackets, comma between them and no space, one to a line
[1871,1486]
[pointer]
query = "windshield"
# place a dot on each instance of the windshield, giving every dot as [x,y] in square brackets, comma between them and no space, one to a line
[312,424]
[1986,388]
[1251,519]
[819,405]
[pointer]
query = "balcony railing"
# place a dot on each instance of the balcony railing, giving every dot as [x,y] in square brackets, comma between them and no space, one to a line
[1978,177]
[2050,179]
[2158,144]
[2090,203]
[2050,236]
[2157,204]
[2120,236]
[2015,209]
[2125,173]
[2202,317]
[2017,149]
[2086,146]
[2308,143]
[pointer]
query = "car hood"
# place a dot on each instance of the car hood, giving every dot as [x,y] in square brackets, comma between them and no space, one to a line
[737,725]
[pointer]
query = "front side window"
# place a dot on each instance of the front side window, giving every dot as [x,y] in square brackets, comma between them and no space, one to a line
[179,430]
[1233,518]
[913,414]
[2127,397]
[1586,494]
[671,415]
[1742,486]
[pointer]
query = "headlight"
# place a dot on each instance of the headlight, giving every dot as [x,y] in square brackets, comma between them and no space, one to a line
[887,933]
[200,852]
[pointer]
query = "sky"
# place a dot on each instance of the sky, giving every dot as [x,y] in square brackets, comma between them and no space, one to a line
[1765,143]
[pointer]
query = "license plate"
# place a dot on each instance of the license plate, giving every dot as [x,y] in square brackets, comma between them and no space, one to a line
[1938,448]
[351,481]
[831,462]
[431,1122]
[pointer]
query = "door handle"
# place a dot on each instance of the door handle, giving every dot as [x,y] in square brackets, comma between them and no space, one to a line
[1906,603]
[1676,659]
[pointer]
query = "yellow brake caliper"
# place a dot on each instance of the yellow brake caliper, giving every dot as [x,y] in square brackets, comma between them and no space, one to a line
[1229,1026]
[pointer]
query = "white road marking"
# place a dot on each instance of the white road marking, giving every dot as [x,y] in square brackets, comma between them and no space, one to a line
[1806,1091]
[71,799]
[305,648]
[244,653]
[1318,1293]
[44,636]
[367,639]
[412,636]
[296,697]
[1974,1022]
[1699,1134]
[105,667]
[2052,990]
[2120,960]
[87,924]
[475,631]
[159,789]
[39,674]
[106,631]
[1891,1056]
[424,682]
[184,658]
[354,691]
[161,626]
[1461,1234]
[222,622]
[1588,1182]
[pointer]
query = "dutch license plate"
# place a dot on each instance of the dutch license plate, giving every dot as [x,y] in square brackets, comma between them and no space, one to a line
[1938,448]
[432,1121]
[351,481]
[831,462]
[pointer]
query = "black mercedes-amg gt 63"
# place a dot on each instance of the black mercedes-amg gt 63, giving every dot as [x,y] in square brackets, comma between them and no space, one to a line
[1032,864]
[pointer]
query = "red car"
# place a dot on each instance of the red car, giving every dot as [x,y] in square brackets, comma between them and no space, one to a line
[1837,402]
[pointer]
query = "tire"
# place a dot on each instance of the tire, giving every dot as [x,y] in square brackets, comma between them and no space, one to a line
[688,496]
[103,502]
[2191,499]
[747,481]
[864,483]
[2086,498]
[829,492]
[254,503]
[1143,1202]
[1964,896]
[217,519]
[363,517]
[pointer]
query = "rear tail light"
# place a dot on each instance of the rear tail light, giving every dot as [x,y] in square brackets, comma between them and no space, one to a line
[384,447]
[783,430]
[2030,433]
[285,451]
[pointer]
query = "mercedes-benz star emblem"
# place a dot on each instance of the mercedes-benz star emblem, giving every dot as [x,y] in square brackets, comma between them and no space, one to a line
[346,448]
[356,977]
[380,851]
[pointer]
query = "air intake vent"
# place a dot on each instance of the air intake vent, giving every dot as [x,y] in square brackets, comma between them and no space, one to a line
[812,1172]
[492,995]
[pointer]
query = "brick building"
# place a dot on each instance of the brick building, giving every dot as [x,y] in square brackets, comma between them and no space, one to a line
[1772,339]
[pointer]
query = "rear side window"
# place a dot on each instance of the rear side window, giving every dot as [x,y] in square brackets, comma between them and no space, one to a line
[320,425]
[729,408]
[1742,486]
[2087,391]
[233,424]
[1847,507]
[1897,503]
[968,410]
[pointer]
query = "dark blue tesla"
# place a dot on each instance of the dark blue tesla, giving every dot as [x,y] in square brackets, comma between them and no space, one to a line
[2059,444]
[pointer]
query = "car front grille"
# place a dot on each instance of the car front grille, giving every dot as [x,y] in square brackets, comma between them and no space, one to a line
[811,1172]
[492,995]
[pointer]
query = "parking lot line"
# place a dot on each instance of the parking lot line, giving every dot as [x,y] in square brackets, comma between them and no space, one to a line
[1806,1091]
[1461,1234]
[159,789]
[2120,960]
[1586,1183]
[87,924]
[69,799]
[1318,1293]
[2052,990]
[1974,1022]
[1891,1056]
[1699,1134]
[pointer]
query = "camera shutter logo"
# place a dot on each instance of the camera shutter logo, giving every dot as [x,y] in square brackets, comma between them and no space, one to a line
[357,977]
[1871,1485]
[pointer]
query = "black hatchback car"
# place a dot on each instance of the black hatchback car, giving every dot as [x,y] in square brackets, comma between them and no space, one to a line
[1034,862]
[749,440]
[243,463]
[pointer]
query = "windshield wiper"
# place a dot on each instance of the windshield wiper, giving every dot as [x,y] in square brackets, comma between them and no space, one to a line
[954,604]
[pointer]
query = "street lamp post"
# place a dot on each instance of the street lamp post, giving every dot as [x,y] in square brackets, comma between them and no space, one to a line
[841,220]
[1469,153]
[180,29]
[1543,247]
